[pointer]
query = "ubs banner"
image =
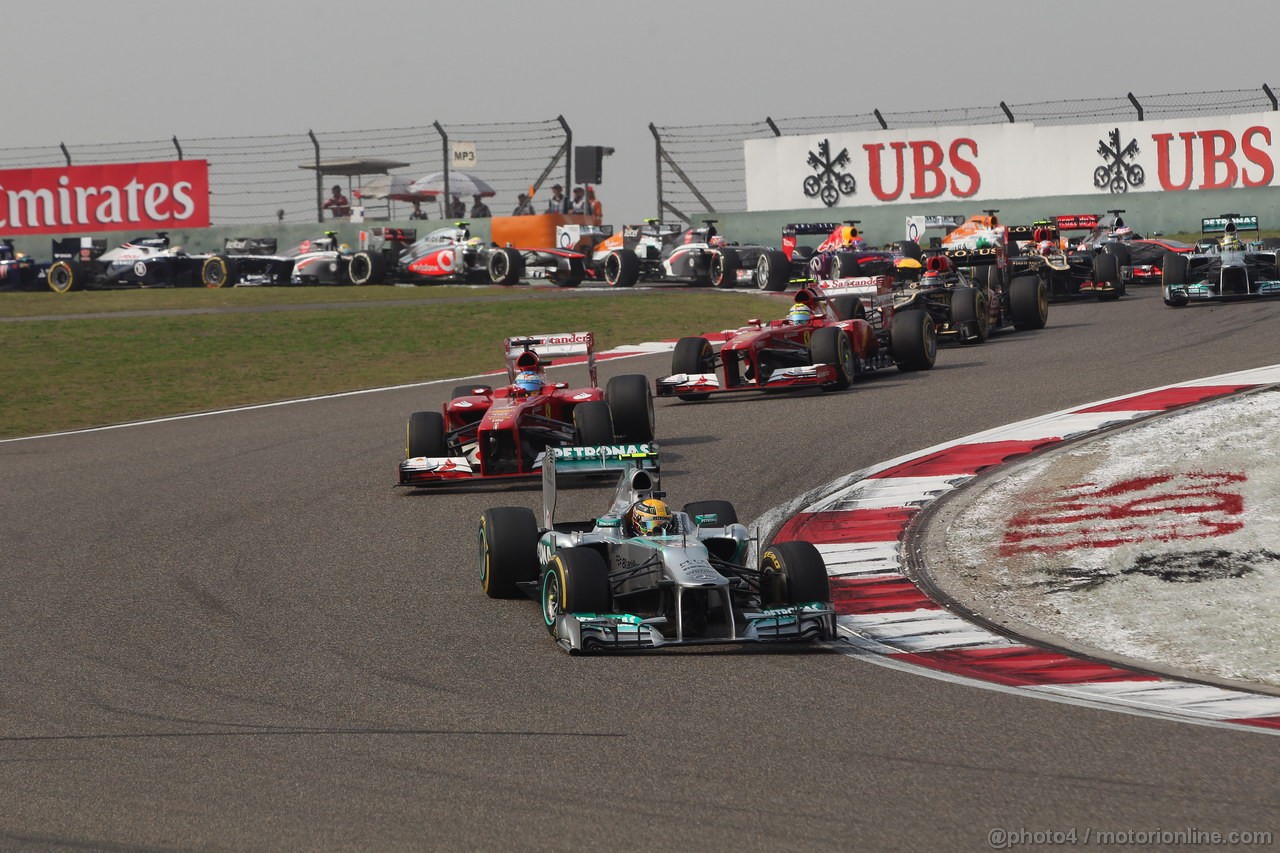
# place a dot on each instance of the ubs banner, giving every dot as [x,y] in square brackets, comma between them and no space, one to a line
[109,197]
[1005,161]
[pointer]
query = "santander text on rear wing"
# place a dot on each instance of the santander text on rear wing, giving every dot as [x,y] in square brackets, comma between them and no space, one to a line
[538,351]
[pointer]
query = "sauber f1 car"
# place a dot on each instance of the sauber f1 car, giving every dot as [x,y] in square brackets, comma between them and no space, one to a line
[452,255]
[853,328]
[485,433]
[641,576]
[662,251]
[1229,271]
[254,262]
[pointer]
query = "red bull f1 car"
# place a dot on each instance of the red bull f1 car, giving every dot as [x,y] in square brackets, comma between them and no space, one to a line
[486,433]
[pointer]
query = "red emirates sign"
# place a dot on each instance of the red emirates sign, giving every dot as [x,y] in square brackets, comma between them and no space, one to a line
[109,197]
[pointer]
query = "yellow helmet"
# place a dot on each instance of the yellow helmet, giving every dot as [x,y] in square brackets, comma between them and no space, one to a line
[650,517]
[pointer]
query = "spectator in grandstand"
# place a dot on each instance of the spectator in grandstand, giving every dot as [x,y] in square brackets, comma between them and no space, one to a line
[557,203]
[457,208]
[579,203]
[479,210]
[525,207]
[338,203]
[418,212]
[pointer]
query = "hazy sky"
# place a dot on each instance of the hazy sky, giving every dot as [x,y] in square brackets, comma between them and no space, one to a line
[88,71]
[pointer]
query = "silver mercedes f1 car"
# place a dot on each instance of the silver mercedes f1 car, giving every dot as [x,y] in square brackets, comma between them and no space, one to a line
[677,579]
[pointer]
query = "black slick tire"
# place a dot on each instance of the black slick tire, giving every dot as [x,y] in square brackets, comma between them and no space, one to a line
[793,573]
[621,268]
[1028,302]
[592,424]
[830,345]
[508,550]
[631,406]
[576,580]
[913,338]
[424,435]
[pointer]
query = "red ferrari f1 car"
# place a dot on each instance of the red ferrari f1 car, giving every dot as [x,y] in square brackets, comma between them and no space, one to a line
[835,332]
[485,433]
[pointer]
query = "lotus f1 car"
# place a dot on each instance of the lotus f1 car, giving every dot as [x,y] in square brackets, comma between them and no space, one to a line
[855,327]
[452,255]
[1226,272]
[486,433]
[605,585]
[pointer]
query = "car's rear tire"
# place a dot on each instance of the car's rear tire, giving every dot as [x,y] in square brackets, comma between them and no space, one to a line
[576,581]
[424,435]
[631,406]
[724,268]
[693,355]
[1028,302]
[830,345]
[793,573]
[773,270]
[592,424]
[969,309]
[367,268]
[62,277]
[508,550]
[622,268]
[723,511]
[505,266]
[913,338]
[216,271]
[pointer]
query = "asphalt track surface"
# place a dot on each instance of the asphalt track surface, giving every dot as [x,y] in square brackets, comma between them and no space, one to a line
[231,632]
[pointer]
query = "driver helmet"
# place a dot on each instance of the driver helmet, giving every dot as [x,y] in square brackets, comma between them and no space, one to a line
[650,517]
[800,314]
[1231,242]
[1124,232]
[529,381]
[1045,247]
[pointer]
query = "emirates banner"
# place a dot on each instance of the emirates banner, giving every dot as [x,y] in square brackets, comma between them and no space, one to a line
[1006,161]
[108,197]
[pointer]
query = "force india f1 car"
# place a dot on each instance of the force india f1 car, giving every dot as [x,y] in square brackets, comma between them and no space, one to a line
[486,433]
[1227,272]
[452,255]
[843,339]
[605,584]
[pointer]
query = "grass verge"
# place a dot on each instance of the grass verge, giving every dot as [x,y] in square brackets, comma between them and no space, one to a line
[70,374]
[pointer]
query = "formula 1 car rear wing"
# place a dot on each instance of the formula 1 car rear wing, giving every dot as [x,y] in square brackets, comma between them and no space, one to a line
[639,461]
[1228,223]
[250,245]
[535,351]
[917,226]
[397,238]
[83,249]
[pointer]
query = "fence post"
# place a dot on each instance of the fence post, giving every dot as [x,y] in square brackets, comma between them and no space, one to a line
[444,148]
[1271,95]
[769,121]
[65,152]
[568,153]
[657,156]
[884,125]
[177,145]
[1007,111]
[1137,106]
[319,179]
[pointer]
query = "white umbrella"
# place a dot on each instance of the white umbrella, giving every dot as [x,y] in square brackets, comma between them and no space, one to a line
[396,188]
[460,184]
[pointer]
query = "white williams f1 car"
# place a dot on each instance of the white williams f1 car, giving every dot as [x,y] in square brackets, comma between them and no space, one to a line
[642,576]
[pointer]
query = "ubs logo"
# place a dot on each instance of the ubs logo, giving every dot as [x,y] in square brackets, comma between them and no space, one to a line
[829,183]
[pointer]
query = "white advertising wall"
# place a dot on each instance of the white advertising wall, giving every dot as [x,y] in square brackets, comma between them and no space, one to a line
[1011,161]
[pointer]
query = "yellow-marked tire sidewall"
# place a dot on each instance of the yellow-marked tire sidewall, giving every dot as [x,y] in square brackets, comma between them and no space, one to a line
[63,269]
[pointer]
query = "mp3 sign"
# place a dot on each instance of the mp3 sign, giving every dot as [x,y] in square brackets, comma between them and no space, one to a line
[108,197]
[1006,161]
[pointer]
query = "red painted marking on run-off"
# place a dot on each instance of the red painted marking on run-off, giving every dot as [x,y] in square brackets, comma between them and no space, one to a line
[964,459]
[858,525]
[1022,666]
[1169,398]
[878,595]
